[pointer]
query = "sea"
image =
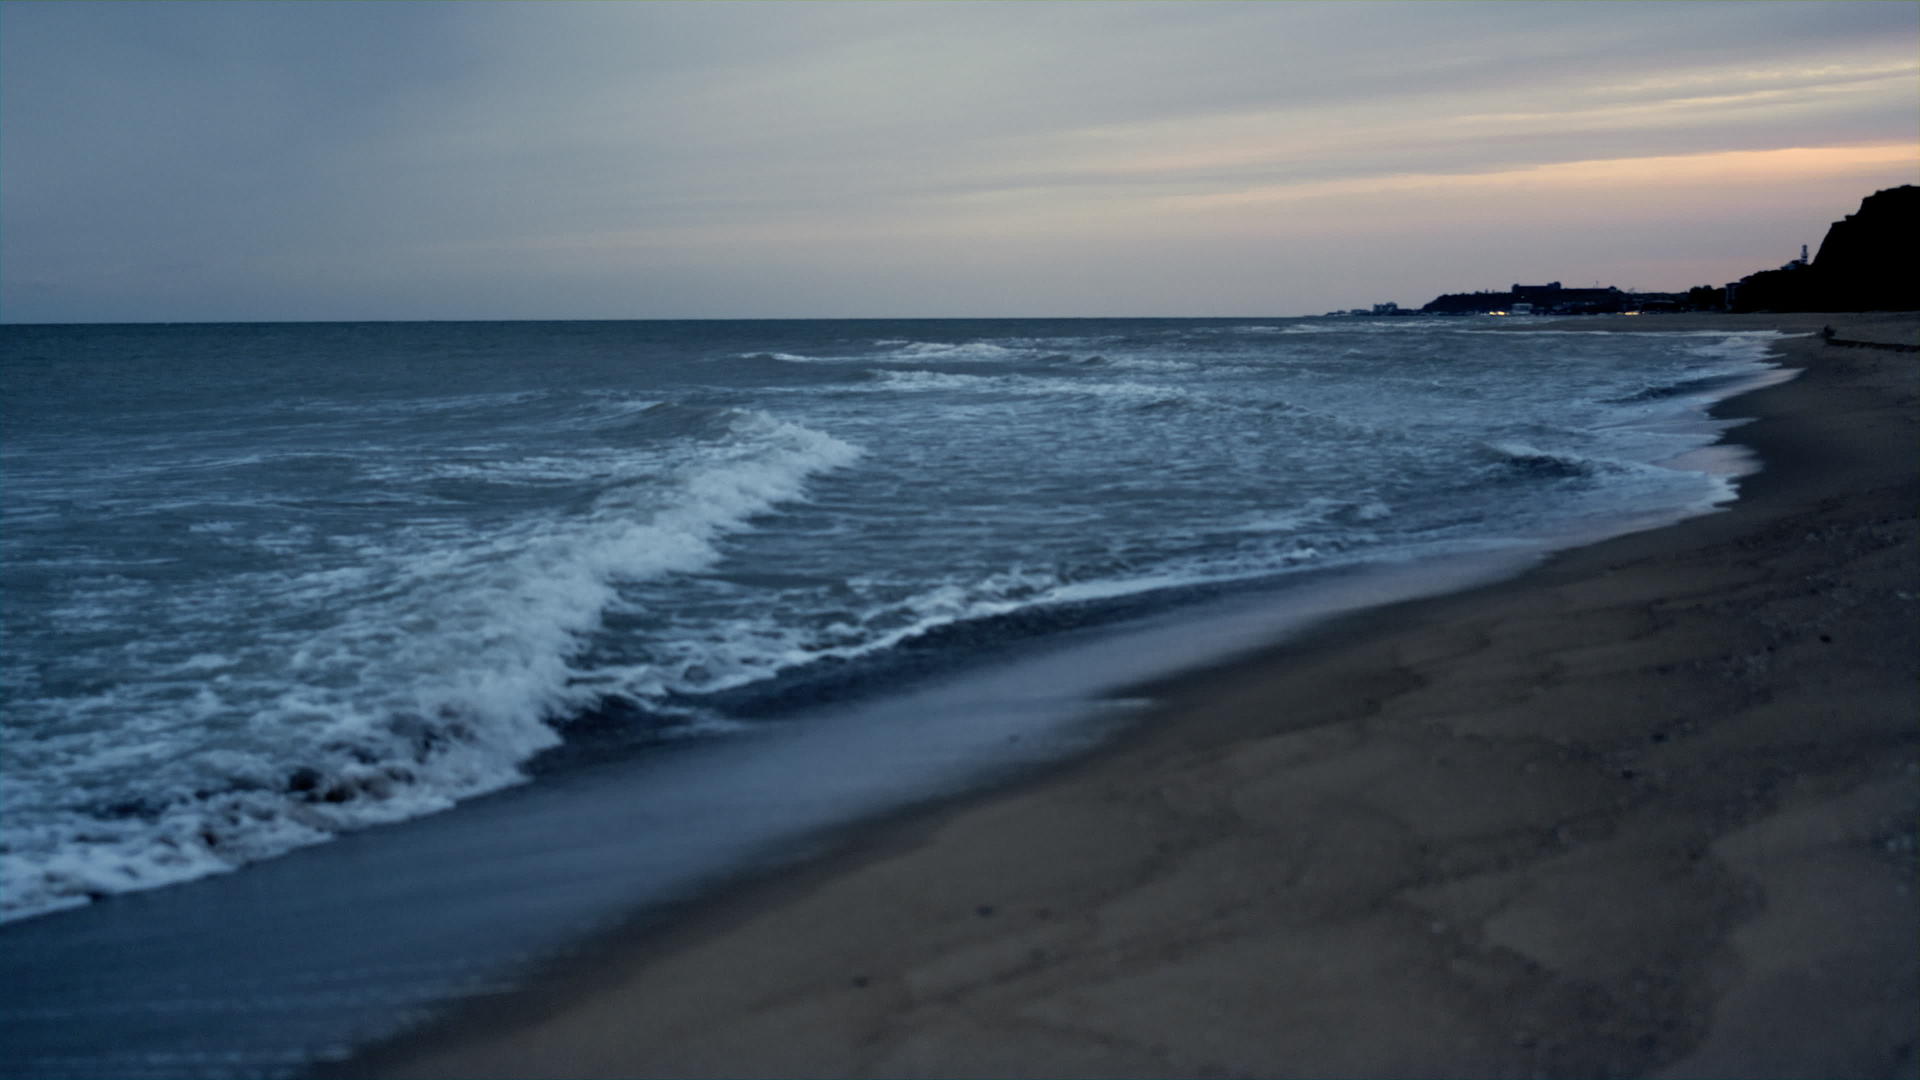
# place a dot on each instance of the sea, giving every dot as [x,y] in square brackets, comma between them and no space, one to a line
[531,623]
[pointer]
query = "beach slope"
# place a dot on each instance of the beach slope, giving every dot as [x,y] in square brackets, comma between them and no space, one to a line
[1648,809]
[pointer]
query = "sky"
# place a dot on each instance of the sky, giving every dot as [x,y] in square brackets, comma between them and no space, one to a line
[209,161]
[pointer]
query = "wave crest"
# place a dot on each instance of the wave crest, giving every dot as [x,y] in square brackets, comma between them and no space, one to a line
[428,674]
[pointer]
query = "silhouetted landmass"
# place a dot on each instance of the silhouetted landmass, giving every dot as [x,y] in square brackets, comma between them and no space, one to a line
[1864,264]
[1549,299]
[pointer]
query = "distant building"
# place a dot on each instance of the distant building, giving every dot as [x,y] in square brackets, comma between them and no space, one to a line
[1651,303]
[1555,299]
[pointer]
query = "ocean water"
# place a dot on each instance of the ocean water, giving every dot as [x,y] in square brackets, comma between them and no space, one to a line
[266,585]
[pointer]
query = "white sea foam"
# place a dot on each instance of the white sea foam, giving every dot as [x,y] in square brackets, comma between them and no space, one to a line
[904,352]
[1652,330]
[431,680]
[1128,391]
[1315,511]
[923,351]
[1162,364]
[763,644]
[389,615]
[1749,347]
[1562,463]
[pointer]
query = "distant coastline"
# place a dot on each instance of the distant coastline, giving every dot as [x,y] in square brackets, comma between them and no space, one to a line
[1858,268]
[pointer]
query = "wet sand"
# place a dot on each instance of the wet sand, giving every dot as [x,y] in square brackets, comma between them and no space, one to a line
[1648,809]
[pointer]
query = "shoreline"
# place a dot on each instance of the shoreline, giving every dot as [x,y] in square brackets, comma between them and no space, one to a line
[1570,823]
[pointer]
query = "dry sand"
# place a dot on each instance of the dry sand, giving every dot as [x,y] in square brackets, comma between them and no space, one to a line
[1648,809]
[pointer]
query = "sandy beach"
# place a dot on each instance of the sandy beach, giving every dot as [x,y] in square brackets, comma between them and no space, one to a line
[1648,809]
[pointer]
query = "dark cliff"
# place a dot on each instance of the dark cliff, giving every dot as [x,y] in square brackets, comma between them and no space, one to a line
[1867,258]
[1864,264]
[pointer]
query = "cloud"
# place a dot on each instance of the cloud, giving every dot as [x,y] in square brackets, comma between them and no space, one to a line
[1721,172]
[271,160]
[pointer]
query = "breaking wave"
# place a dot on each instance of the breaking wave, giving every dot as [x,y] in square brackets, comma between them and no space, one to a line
[426,671]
